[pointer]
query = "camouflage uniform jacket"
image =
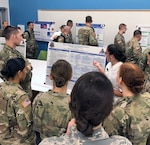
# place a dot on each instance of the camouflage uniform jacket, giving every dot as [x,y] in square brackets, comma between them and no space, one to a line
[85,36]
[8,53]
[99,137]
[70,39]
[31,44]
[63,38]
[145,67]
[1,32]
[146,87]
[131,118]
[15,114]
[133,51]
[119,39]
[143,62]
[51,113]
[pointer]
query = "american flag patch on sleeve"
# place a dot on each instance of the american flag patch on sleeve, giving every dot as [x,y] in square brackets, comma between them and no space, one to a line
[25,103]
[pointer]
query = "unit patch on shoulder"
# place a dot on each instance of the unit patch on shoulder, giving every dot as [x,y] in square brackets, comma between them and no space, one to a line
[25,103]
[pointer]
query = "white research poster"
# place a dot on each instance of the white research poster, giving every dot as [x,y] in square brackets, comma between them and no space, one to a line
[99,30]
[79,56]
[43,30]
[145,41]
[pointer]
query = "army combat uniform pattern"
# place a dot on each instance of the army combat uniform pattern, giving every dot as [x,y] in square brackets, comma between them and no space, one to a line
[99,137]
[133,51]
[8,53]
[1,32]
[31,44]
[85,36]
[63,38]
[131,118]
[51,113]
[146,69]
[119,40]
[15,114]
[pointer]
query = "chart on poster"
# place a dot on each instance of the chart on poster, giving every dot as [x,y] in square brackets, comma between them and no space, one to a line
[79,56]
[43,30]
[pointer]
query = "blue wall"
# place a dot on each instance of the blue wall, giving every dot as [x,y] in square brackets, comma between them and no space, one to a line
[22,11]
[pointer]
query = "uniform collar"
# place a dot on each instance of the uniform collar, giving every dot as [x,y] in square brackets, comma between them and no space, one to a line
[99,133]
[57,94]
[9,48]
[13,84]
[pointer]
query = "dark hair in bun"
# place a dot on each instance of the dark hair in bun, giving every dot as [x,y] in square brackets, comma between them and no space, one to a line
[61,72]
[12,67]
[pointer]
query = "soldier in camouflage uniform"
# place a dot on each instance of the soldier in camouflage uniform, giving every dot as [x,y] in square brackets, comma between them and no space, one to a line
[31,44]
[144,63]
[51,112]
[15,106]
[86,35]
[70,24]
[131,115]
[119,38]
[13,37]
[1,32]
[5,24]
[133,48]
[65,36]
[91,102]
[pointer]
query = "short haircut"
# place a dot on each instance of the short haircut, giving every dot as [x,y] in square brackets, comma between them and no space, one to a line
[137,32]
[61,72]
[12,67]
[62,26]
[91,101]
[122,25]
[69,21]
[117,51]
[132,76]
[88,19]
[8,31]
[28,23]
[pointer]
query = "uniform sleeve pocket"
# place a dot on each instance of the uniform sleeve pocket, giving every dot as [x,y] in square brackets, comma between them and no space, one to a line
[21,121]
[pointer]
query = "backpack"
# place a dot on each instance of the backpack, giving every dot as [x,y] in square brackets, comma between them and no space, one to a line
[58,37]
[23,35]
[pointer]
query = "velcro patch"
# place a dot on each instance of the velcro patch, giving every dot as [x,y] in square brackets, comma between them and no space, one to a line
[137,47]
[25,103]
